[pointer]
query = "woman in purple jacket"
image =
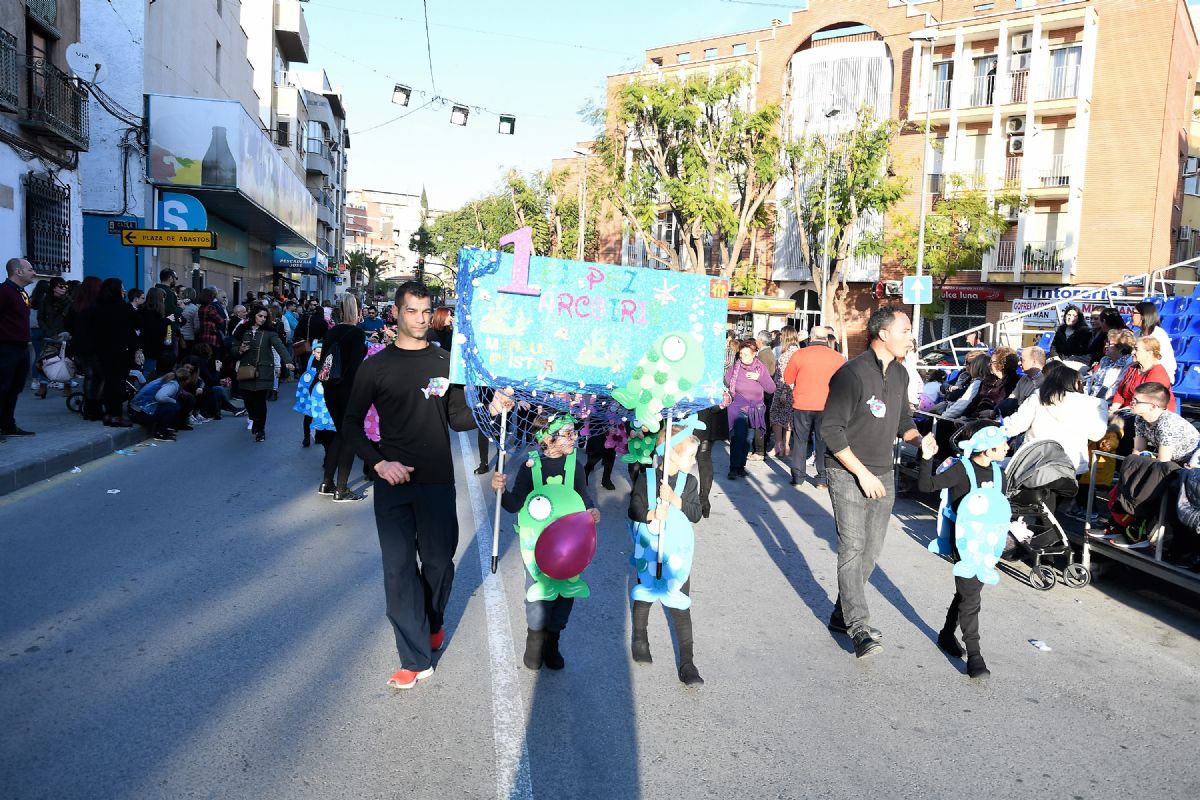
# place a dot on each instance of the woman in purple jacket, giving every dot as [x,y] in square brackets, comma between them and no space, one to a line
[748,381]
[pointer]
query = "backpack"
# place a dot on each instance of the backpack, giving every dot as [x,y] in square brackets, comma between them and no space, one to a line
[980,528]
[1142,484]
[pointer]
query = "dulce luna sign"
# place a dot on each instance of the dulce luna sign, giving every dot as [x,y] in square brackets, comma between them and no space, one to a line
[559,326]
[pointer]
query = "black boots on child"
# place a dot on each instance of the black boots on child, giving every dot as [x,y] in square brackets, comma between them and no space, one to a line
[640,648]
[541,647]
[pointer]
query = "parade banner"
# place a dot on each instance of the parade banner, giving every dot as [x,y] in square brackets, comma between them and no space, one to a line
[552,326]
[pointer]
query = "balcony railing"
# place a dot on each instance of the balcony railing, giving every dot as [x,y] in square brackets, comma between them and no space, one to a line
[941,95]
[984,90]
[1020,82]
[9,82]
[57,105]
[1003,257]
[1044,257]
[282,137]
[979,177]
[1058,173]
[319,147]
[1062,83]
[1012,171]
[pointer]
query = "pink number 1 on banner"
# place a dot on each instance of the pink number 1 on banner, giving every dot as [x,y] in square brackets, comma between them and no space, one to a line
[522,242]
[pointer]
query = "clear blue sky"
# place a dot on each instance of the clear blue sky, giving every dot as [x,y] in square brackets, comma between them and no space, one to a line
[481,59]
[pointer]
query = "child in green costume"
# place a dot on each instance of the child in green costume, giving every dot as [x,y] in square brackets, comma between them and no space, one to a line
[552,476]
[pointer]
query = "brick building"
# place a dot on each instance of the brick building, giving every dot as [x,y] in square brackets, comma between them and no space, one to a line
[1084,106]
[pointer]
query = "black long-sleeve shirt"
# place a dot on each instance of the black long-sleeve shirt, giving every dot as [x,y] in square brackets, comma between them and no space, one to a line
[853,417]
[512,501]
[639,505]
[413,428]
[955,479]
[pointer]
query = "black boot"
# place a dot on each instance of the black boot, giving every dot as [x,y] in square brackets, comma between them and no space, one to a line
[641,642]
[976,668]
[946,639]
[683,632]
[550,655]
[534,644]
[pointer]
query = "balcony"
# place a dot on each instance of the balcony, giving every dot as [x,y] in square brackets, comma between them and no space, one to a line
[1041,257]
[57,106]
[9,83]
[319,159]
[983,91]
[1018,90]
[1062,83]
[326,210]
[1012,172]
[291,31]
[1002,258]
[941,95]
[1057,174]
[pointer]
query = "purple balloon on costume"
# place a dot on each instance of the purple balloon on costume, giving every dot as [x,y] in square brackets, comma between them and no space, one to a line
[566,546]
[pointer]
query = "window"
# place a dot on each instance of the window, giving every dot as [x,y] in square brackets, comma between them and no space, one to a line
[710,53]
[656,61]
[943,75]
[683,58]
[217,62]
[47,225]
[739,49]
[985,6]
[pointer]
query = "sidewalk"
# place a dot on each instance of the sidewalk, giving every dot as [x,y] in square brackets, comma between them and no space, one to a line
[63,441]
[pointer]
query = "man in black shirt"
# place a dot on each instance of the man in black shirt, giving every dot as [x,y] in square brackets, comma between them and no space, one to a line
[414,487]
[867,409]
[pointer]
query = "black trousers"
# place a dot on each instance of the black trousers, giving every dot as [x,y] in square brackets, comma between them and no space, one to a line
[256,409]
[416,521]
[482,441]
[597,453]
[339,458]
[114,370]
[704,466]
[14,371]
[682,620]
[964,612]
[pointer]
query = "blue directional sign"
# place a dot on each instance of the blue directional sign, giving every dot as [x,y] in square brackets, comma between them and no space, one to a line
[918,289]
[181,212]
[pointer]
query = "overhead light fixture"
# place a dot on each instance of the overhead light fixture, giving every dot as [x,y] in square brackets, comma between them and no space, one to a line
[508,124]
[459,114]
[401,94]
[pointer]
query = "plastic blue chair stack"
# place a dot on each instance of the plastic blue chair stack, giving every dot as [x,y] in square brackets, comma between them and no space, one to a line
[1189,387]
[1046,340]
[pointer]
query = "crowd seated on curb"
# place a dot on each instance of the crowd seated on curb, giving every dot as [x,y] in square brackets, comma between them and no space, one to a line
[1102,389]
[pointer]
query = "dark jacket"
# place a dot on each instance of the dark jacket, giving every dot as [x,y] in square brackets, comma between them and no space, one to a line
[114,328]
[1070,343]
[992,392]
[52,314]
[348,346]
[152,332]
[261,342]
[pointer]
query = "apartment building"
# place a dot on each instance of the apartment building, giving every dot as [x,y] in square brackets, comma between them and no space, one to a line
[382,224]
[44,127]
[1084,106]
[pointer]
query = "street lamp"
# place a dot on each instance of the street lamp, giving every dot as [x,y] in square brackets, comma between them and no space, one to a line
[582,204]
[829,115]
[401,94]
[928,36]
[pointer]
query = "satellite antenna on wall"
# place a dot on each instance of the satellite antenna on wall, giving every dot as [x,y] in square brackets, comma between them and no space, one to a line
[87,64]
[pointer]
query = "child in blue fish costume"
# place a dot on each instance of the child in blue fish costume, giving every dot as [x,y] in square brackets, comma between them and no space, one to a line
[547,487]
[667,524]
[975,508]
[310,397]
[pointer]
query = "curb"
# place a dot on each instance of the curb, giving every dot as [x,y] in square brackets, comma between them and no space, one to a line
[55,462]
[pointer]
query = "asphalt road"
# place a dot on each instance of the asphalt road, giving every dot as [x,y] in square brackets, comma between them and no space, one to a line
[216,629]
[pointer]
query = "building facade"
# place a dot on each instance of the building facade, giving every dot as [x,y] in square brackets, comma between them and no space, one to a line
[1082,106]
[44,127]
[191,135]
[382,224]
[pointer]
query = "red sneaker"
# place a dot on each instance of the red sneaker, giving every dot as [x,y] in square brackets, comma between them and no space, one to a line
[438,638]
[407,678]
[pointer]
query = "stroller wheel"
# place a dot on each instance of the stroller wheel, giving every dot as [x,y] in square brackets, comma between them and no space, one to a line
[1077,576]
[75,402]
[1042,577]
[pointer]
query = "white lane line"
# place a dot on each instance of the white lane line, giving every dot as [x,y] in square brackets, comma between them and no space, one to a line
[508,718]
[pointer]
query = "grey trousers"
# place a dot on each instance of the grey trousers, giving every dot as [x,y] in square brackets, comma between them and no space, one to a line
[861,527]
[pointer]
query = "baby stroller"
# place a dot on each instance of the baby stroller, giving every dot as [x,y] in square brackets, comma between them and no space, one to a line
[1037,478]
[134,381]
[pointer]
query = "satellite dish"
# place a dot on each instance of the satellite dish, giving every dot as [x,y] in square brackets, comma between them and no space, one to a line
[86,63]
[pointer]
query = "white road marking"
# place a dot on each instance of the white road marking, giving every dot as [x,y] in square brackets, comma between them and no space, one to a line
[508,718]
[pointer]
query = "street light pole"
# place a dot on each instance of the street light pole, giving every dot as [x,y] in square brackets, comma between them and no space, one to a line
[829,115]
[928,36]
[582,205]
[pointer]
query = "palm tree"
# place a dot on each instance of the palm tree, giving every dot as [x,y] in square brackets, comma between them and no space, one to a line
[360,263]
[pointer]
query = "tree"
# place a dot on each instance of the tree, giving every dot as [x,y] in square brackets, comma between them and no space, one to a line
[699,155]
[965,223]
[862,188]
[360,263]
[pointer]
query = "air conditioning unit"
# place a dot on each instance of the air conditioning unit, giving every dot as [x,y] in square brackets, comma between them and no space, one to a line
[1020,62]
[888,289]
[1185,233]
[1016,145]
[1021,42]
[1014,125]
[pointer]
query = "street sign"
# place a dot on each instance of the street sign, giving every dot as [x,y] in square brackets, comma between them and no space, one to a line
[204,240]
[917,289]
[118,225]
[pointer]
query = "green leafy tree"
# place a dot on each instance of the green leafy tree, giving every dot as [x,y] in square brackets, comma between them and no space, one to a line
[699,155]
[861,187]
[362,265]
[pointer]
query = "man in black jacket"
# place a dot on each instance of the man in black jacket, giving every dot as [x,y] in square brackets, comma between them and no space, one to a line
[867,409]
